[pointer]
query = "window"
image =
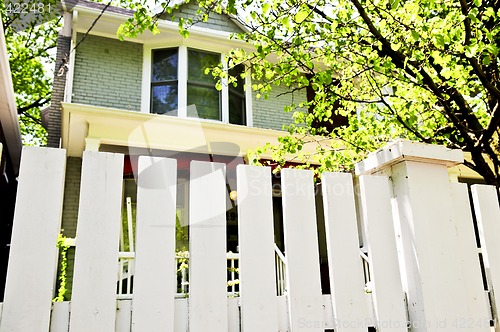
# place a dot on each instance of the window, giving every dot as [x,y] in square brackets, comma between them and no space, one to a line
[201,90]
[180,87]
[164,82]
[237,113]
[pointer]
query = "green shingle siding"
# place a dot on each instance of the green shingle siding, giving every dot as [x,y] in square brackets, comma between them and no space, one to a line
[215,21]
[108,73]
[269,113]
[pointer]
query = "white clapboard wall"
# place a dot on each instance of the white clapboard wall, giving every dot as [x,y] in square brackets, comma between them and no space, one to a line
[371,205]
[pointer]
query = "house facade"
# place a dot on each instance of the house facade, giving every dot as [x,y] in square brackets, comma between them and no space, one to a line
[150,96]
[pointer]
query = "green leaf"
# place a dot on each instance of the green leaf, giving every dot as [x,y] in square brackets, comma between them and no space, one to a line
[415,35]
[265,8]
[301,15]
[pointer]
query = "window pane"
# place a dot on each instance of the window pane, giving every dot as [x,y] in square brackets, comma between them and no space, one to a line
[164,65]
[240,82]
[165,99]
[237,114]
[206,100]
[198,62]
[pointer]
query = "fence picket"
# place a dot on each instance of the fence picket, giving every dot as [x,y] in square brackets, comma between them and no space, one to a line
[60,317]
[256,244]
[93,304]
[388,295]
[477,306]
[487,209]
[155,254]
[33,251]
[301,251]
[207,248]
[345,267]
[123,316]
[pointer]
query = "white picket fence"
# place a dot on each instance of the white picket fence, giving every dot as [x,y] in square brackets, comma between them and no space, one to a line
[418,239]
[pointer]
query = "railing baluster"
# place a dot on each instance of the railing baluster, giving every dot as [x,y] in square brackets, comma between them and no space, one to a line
[126,272]
[130,264]
[120,276]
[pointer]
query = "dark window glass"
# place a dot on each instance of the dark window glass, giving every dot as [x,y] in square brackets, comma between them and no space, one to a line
[165,99]
[237,112]
[206,100]
[164,82]
[165,63]
[201,91]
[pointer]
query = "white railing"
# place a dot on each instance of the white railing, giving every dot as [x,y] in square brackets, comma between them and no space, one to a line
[126,273]
[280,271]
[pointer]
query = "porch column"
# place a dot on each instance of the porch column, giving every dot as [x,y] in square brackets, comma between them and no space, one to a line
[429,235]
[92,144]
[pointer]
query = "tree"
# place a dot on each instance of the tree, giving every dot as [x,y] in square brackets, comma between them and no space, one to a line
[425,70]
[31,35]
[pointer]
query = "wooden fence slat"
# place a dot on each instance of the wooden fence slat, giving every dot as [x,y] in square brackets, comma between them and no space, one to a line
[477,305]
[155,253]
[123,316]
[233,314]
[345,266]
[256,246]
[33,251]
[93,304]
[59,320]
[487,210]
[207,248]
[388,295]
[181,315]
[301,251]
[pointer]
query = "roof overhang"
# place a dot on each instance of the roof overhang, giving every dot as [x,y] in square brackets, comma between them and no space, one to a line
[113,127]
[109,22]
[8,110]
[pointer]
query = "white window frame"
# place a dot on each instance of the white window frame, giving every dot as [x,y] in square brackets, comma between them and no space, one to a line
[182,73]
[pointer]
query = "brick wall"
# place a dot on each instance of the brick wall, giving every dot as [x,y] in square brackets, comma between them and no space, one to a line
[108,73]
[58,88]
[215,21]
[269,113]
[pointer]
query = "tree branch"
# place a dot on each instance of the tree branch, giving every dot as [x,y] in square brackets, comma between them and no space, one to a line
[37,103]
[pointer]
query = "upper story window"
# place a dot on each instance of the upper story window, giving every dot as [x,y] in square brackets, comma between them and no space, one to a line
[164,82]
[201,90]
[178,80]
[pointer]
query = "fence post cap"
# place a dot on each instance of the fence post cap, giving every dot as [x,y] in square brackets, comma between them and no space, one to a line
[404,150]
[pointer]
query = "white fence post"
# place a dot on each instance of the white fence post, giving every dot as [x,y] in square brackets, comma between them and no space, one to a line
[93,304]
[433,275]
[207,248]
[256,243]
[345,269]
[33,252]
[301,251]
[155,270]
